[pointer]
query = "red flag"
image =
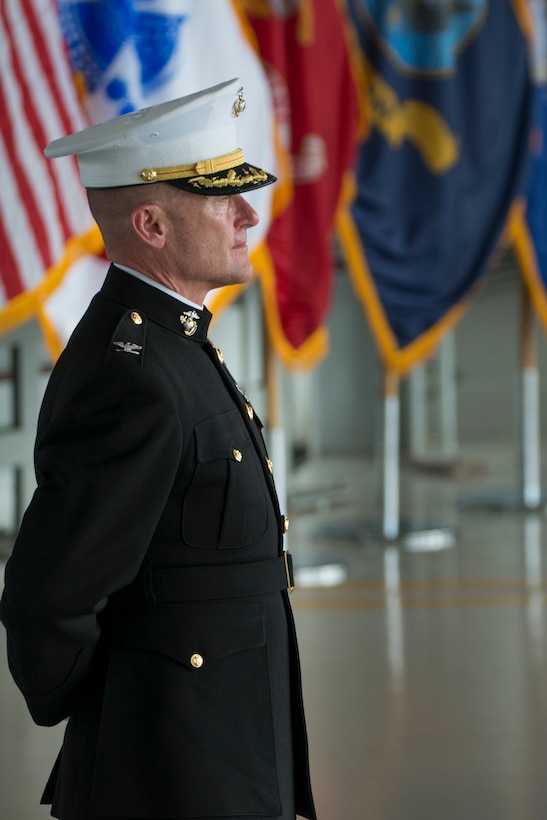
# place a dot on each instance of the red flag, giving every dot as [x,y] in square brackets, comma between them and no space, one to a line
[45,224]
[307,60]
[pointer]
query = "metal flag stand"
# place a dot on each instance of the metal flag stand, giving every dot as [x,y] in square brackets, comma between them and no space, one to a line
[446,455]
[528,496]
[412,534]
[390,513]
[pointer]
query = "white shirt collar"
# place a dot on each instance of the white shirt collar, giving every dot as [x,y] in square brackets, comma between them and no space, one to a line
[149,281]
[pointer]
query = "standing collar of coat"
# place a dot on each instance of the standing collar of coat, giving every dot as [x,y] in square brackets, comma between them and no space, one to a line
[153,303]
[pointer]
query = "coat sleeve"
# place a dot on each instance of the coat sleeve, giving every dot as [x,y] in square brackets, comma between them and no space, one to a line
[105,466]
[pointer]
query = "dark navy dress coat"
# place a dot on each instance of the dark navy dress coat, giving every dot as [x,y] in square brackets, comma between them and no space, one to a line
[146,597]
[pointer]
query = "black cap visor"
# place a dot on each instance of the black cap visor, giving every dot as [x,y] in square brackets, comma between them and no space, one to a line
[236,180]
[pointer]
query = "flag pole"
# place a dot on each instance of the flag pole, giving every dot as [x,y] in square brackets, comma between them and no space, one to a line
[530,432]
[527,495]
[419,381]
[390,518]
[411,534]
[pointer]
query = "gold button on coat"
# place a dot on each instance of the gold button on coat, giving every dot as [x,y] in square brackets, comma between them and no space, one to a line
[285,522]
[237,454]
[250,411]
[196,660]
[269,462]
[219,355]
[135,317]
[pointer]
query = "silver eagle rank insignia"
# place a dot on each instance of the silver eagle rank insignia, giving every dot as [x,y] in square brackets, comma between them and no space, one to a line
[128,347]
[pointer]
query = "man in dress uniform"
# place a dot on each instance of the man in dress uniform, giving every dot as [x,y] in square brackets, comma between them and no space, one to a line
[146,599]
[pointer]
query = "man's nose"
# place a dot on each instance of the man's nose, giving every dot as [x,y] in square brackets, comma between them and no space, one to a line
[246,212]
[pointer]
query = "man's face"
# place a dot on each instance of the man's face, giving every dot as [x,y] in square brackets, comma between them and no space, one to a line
[207,240]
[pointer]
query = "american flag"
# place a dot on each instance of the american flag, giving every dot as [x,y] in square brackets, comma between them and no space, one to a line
[46,230]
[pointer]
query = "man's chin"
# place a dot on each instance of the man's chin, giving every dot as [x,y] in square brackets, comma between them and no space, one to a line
[241,277]
[243,274]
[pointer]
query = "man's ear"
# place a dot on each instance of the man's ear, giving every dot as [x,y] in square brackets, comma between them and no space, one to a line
[148,222]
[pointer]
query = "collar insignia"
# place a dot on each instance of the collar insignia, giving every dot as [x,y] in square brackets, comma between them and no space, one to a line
[189,321]
[128,347]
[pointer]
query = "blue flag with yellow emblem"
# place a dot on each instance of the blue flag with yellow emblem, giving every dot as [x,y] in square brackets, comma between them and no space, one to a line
[446,156]
[529,217]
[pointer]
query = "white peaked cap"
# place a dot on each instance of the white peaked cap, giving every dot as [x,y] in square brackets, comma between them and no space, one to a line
[190,142]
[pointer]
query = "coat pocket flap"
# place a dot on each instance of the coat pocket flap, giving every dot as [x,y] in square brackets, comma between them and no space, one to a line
[219,436]
[191,634]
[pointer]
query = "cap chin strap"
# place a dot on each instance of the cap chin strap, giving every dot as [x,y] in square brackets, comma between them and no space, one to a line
[205,166]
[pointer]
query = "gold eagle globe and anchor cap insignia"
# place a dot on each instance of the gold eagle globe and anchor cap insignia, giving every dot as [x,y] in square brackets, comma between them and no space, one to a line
[190,142]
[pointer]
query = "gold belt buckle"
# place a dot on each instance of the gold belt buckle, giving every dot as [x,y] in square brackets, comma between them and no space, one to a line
[290,582]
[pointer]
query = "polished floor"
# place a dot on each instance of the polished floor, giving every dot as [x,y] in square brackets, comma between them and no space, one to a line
[424,660]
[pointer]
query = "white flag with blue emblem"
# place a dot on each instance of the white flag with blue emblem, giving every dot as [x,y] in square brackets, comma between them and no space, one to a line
[131,54]
[136,53]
